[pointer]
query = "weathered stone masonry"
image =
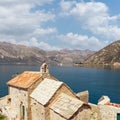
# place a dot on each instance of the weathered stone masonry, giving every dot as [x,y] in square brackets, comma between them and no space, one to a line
[40,96]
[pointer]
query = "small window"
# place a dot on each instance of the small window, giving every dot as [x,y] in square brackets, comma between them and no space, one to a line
[118,116]
[23,112]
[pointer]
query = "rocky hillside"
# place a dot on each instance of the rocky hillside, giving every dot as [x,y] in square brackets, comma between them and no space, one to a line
[107,55]
[68,57]
[20,54]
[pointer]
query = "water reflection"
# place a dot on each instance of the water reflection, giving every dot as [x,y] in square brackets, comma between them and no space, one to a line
[101,66]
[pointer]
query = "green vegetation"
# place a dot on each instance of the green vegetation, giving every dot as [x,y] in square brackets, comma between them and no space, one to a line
[2,117]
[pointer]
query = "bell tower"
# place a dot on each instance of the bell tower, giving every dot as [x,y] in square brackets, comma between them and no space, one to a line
[44,69]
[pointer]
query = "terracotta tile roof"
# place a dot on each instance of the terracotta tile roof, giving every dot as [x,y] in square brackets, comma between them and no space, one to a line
[113,104]
[24,80]
[66,105]
[45,90]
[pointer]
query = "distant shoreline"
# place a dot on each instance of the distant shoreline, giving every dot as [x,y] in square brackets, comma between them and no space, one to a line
[99,66]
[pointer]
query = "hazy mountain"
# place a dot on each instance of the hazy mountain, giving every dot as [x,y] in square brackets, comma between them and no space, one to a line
[108,55]
[68,57]
[20,54]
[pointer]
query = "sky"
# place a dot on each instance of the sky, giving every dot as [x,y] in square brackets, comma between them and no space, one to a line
[60,24]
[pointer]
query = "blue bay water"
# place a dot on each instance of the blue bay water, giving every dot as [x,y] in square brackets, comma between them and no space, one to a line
[97,81]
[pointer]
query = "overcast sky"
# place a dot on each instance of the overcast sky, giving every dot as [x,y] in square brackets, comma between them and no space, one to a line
[59,24]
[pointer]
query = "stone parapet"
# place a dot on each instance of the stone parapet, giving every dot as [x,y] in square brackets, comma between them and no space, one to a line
[83,96]
[103,100]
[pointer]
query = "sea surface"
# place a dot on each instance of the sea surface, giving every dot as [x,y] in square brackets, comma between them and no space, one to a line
[97,81]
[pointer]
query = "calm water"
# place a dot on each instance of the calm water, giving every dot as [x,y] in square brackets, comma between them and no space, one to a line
[98,81]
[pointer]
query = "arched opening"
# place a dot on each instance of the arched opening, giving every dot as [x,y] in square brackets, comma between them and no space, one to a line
[22,111]
[45,68]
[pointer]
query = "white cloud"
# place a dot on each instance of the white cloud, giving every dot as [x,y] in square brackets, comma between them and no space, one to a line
[20,19]
[66,6]
[17,19]
[77,41]
[41,31]
[20,25]
[34,42]
[46,46]
[13,2]
[21,22]
[94,17]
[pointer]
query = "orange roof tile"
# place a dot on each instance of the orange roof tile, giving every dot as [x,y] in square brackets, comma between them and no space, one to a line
[113,104]
[24,80]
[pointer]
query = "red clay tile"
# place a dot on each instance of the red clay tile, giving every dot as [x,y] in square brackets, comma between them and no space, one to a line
[24,80]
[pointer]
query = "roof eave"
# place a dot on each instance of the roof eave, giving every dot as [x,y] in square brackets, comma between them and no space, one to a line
[19,87]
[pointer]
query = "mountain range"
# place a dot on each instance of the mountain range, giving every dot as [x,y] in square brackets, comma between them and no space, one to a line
[108,55]
[21,54]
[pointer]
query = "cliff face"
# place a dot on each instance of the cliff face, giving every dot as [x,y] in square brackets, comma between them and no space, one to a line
[108,55]
[20,54]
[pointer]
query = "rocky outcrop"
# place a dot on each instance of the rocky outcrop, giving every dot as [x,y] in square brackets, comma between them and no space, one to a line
[108,55]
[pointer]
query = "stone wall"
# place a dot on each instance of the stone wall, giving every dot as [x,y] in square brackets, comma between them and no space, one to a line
[83,96]
[37,111]
[83,113]
[19,98]
[44,110]
[103,100]
[95,112]
[4,101]
[30,90]
[109,112]
[55,116]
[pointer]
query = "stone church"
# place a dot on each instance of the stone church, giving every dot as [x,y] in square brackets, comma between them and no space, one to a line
[40,96]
